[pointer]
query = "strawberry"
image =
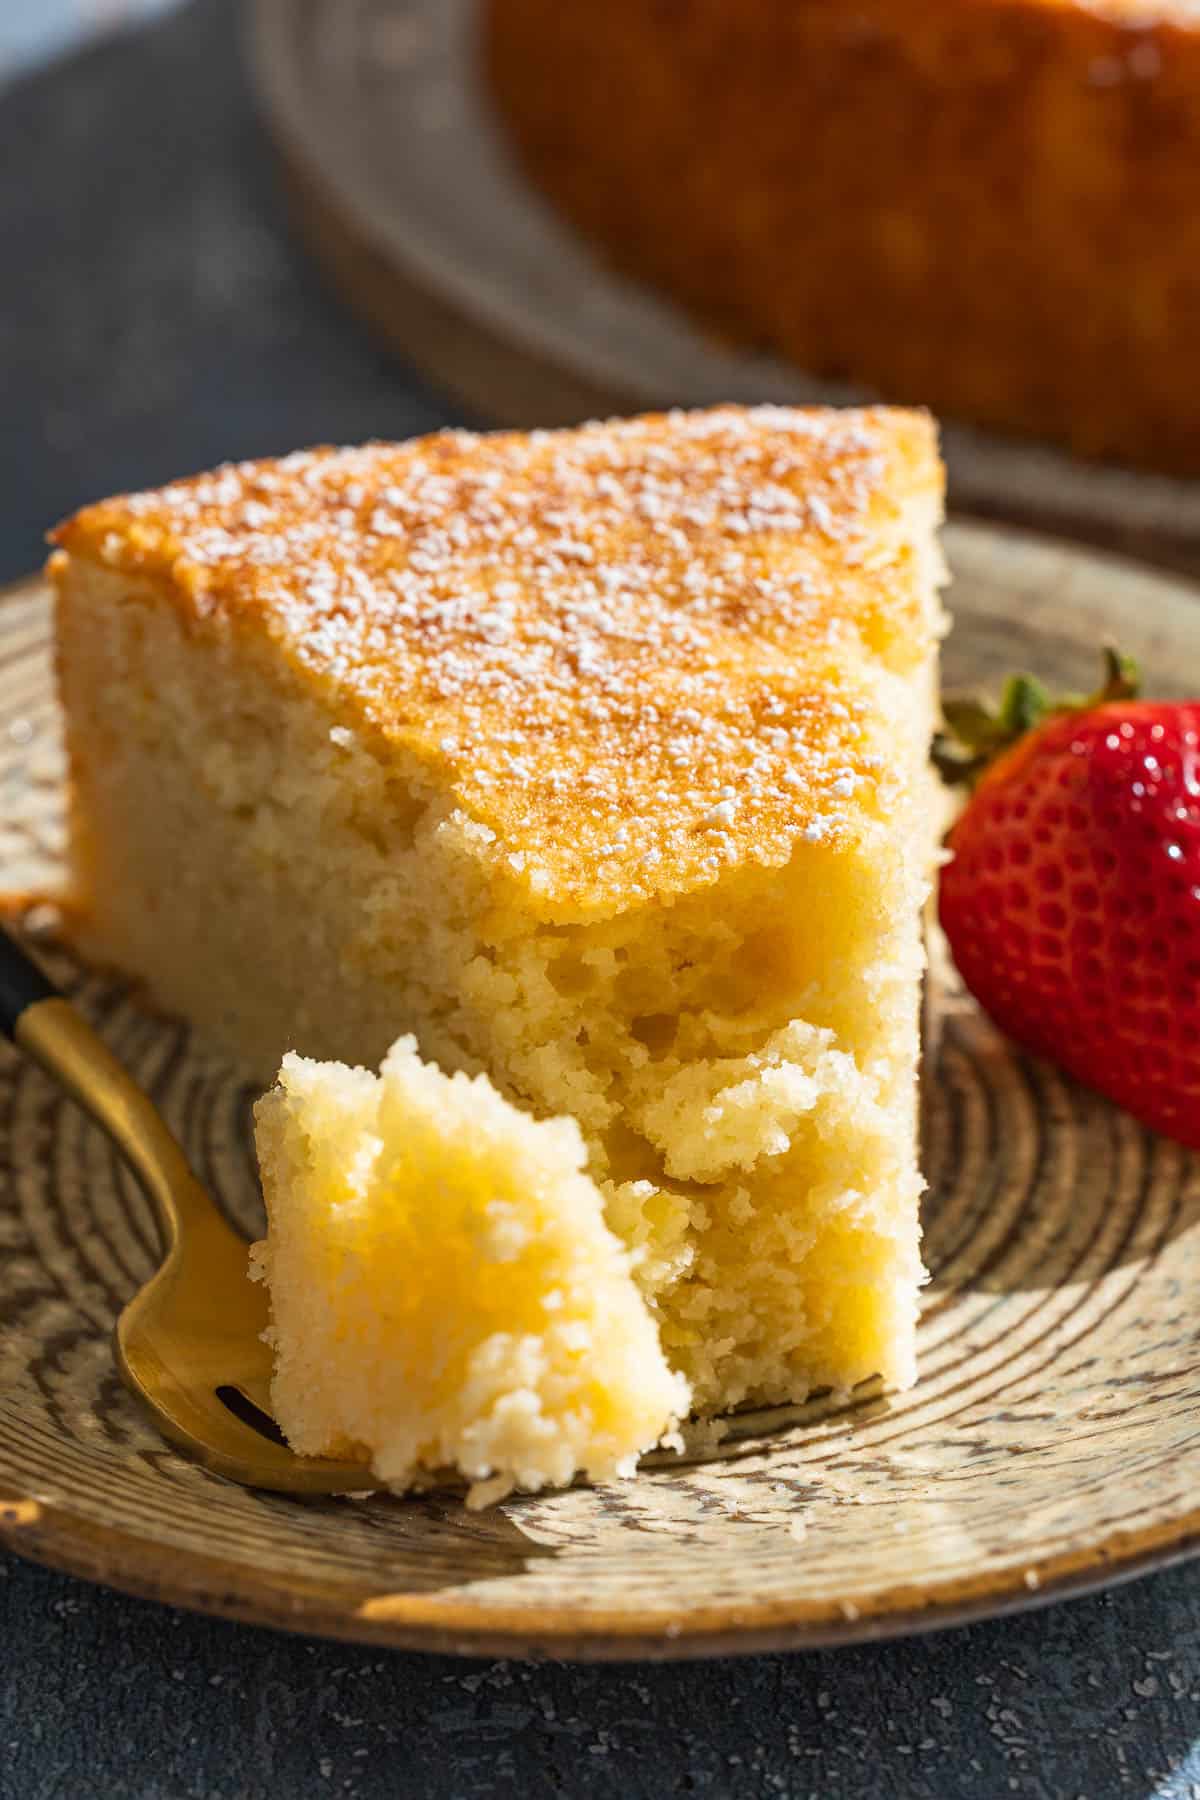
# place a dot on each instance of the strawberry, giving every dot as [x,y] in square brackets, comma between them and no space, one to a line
[1072,898]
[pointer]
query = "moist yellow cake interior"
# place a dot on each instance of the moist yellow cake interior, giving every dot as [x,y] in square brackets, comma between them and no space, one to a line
[445,1292]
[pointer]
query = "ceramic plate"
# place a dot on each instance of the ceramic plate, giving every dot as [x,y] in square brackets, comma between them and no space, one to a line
[406,192]
[1052,1443]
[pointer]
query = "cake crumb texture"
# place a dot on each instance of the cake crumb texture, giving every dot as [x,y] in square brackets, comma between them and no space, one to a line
[445,1293]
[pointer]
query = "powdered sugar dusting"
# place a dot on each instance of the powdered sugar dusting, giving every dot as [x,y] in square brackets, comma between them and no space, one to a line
[620,646]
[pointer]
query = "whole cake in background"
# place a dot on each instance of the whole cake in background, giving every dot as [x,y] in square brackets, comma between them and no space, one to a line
[598,761]
[987,206]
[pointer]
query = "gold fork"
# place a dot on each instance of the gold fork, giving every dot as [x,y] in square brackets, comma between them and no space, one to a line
[189,1344]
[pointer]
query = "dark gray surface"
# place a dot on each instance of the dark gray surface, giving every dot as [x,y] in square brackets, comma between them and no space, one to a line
[108,1696]
[154,317]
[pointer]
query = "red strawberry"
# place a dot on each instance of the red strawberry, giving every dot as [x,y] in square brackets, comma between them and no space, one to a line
[1072,902]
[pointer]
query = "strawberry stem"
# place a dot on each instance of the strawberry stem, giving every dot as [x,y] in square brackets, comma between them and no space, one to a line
[1122,678]
[976,734]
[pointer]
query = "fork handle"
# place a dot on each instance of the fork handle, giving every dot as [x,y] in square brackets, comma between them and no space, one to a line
[42,1023]
[22,984]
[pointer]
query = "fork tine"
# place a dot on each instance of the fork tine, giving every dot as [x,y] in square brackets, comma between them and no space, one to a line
[197,1421]
[198,1324]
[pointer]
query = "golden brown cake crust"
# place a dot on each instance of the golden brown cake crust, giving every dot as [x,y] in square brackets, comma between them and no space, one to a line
[637,653]
[988,206]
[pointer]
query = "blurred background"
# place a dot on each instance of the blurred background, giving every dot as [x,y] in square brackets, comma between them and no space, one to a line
[156,315]
[33,31]
[206,198]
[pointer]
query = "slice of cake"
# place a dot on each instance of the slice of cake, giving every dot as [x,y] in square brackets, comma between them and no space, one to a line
[985,205]
[595,759]
[444,1290]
